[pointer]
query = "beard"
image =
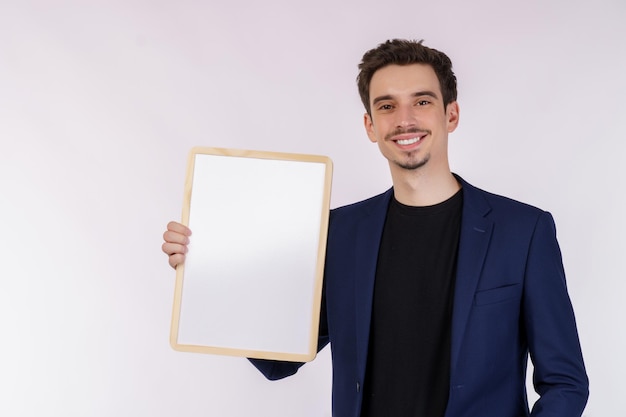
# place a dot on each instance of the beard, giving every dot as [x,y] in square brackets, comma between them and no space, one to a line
[412,164]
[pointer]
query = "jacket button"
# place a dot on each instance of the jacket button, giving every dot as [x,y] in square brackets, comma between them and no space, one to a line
[358,387]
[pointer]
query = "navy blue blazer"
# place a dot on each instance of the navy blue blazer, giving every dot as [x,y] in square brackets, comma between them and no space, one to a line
[510,300]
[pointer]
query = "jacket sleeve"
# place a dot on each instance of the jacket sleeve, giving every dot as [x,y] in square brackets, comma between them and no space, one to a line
[274,370]
[559,372]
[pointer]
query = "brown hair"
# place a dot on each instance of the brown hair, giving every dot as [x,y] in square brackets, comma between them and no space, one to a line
[405,52]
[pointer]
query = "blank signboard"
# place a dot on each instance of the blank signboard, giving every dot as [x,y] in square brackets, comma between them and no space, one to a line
[251,283]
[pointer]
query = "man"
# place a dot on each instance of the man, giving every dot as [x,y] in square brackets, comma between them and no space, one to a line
[436,292]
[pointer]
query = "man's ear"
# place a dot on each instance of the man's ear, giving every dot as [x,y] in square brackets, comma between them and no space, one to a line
[369,127]
[452,115]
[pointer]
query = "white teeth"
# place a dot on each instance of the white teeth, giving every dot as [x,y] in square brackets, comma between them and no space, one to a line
[407,141]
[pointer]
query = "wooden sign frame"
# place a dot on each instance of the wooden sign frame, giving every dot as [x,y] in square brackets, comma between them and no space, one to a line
[251,283]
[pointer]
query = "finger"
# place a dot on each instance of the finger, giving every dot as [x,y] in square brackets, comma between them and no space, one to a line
[173,248]
[175,237]
[179,228]
[176,260]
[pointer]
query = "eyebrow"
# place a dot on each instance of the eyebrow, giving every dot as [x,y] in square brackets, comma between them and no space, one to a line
[416,94]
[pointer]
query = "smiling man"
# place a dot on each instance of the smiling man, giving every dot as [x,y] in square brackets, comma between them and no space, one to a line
[436,292]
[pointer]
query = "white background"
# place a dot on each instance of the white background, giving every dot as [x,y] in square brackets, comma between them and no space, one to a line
[100,101]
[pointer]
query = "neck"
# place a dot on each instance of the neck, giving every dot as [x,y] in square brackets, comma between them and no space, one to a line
[419,188]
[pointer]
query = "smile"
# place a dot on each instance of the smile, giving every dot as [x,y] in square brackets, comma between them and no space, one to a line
[408,137]
[405,142]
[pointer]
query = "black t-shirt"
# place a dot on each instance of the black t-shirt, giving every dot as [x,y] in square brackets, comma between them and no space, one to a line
[408,364]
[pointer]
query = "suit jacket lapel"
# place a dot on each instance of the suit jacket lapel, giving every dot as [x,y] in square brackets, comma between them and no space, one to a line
[368,236]
[474,241]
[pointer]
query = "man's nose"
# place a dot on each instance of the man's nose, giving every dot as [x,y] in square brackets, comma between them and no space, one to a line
[405,116]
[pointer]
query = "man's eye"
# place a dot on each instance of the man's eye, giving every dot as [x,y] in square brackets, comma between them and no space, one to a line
[423,102]
[385,107]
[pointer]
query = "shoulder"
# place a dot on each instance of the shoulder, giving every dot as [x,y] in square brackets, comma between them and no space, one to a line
[511,217]
[364,207]
[346,220]
[491,204]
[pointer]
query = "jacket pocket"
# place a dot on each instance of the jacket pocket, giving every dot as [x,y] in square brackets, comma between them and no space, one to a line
[498,295]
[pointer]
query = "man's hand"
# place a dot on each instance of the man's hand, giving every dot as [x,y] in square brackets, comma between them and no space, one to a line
[176,239]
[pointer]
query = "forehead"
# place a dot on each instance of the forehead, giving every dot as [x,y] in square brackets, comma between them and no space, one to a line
[404,79]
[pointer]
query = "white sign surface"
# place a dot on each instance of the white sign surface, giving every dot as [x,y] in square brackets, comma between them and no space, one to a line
[251,283]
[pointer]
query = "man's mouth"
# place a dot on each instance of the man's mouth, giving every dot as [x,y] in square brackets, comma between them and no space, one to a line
[407,137]
[405,142]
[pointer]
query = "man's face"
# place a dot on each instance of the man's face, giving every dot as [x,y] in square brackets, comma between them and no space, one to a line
[408,119]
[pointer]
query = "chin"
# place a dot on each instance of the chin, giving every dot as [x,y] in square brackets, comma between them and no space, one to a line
[412,165]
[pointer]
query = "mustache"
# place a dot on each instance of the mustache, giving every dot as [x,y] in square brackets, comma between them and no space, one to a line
[403,131]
